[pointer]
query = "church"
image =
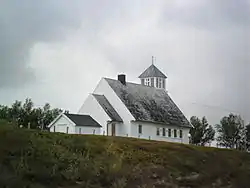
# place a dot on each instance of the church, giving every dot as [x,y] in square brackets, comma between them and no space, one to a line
[120,108]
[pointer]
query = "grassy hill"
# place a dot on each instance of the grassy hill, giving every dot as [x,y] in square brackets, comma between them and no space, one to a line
[43,160]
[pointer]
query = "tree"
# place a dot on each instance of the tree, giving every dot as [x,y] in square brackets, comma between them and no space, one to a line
[231,131]
[15,112]
[48,115]
[25,118]
[248,136]
[5,113]
[201,133]
[35,118]
[26,115]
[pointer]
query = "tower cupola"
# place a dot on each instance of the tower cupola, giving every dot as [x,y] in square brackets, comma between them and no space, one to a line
[153,77]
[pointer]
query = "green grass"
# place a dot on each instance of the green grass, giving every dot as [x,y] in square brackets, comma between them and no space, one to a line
[43,160]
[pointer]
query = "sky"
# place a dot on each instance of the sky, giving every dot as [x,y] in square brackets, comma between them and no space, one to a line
[57,51]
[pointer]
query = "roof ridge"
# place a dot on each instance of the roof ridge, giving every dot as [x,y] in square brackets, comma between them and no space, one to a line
[139,85]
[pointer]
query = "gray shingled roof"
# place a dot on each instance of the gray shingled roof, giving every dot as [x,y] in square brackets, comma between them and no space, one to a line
[148,103]
[107,107]
[152,71]
[83,120]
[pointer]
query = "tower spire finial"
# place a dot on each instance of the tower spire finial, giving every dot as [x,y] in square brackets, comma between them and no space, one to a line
[153,59]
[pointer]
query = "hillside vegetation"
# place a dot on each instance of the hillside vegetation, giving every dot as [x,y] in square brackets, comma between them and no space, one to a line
[35,159]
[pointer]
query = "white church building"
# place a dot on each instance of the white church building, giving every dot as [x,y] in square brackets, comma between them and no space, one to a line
[120,108]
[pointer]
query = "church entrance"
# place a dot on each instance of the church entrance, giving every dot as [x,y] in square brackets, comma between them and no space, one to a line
[111,129]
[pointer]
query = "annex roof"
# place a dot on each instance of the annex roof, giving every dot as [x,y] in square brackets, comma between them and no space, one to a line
[83,120]
[107,107]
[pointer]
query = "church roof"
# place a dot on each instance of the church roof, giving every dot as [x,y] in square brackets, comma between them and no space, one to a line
[107,107]
[83,120]
[152,71]
[148,103]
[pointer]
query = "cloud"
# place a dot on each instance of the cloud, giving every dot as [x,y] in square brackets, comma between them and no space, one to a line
[203,46]
[210,15]
[24,23]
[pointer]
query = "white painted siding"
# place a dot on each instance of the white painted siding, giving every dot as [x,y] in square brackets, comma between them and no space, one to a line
[61,126]
[103,88]
[87,130]
[149,131]
[93,108]
[119,129]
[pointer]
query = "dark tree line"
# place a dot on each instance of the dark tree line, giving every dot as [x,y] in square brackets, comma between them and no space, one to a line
[26,115]
[231,132]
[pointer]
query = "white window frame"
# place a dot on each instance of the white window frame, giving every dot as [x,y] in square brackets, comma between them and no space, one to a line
[160,84]
[147,81]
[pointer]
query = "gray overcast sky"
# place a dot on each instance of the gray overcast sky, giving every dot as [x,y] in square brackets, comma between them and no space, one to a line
[57,51]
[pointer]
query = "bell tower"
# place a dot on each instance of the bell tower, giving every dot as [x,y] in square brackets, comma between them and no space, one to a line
[153,77]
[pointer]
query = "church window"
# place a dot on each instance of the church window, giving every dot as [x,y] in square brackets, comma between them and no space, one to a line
[175,133]
[163,132]
[180,133]
[169,132]
[158,131]
[152,82]
[147,81]
[160,82]
[140,129]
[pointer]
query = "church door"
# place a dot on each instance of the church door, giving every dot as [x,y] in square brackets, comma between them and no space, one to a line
[113,129]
